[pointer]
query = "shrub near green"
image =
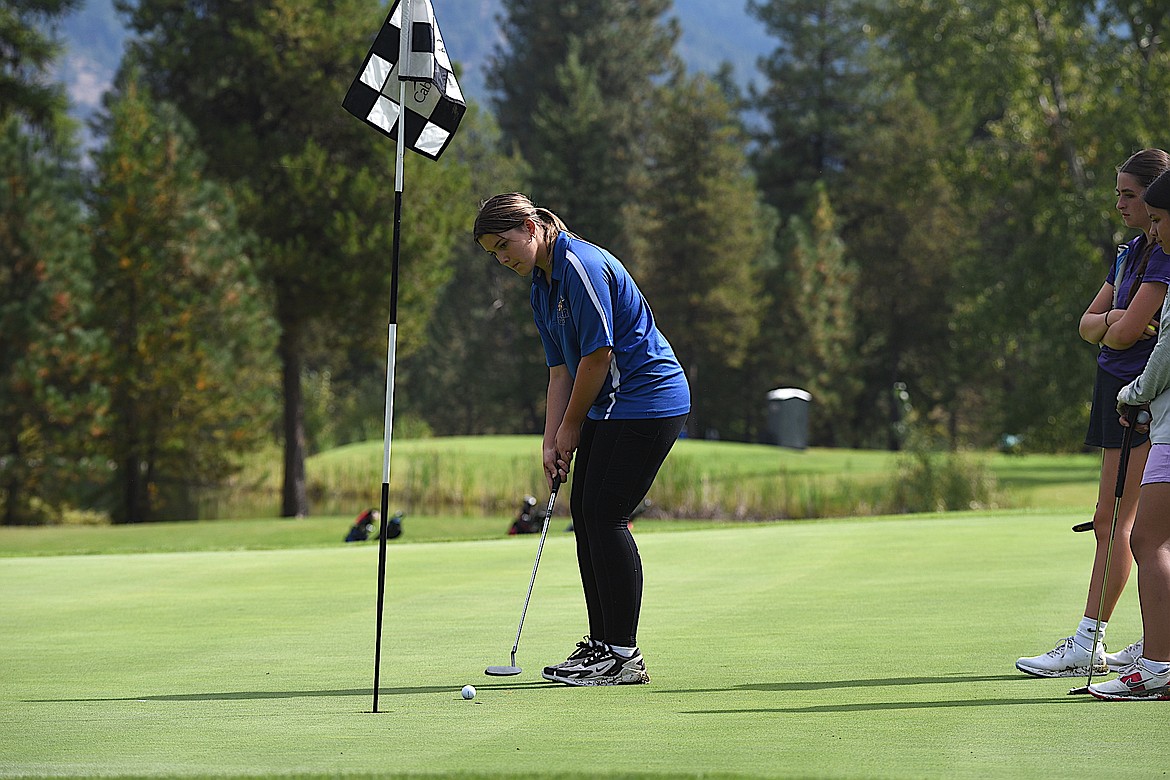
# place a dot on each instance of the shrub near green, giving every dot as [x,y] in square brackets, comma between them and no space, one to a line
[938,482]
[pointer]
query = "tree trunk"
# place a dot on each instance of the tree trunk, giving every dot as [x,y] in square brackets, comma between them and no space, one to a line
[131,489]
[294,500]
[131,473]
[12,489]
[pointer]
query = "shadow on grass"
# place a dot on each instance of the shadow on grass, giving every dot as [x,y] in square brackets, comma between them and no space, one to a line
[256,695]
[818,685]
[777,687]
[878,706]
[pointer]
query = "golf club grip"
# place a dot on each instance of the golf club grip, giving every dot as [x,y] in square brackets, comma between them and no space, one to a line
[1132,413]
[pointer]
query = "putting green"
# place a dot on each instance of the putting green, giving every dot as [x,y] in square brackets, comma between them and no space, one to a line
[860,648]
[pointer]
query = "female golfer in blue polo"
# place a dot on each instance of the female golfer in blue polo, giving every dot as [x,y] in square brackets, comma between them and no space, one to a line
[617,397]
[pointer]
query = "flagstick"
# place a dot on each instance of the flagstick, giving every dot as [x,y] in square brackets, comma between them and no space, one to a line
[391,347]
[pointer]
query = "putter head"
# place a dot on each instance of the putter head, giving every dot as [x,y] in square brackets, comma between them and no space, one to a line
[502,671]
[1079,691]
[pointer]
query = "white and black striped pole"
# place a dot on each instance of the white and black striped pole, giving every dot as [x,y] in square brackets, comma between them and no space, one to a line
[392,337]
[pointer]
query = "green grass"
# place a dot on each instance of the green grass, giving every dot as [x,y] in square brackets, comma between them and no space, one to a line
[268,534]
[845,649]
[1049,480]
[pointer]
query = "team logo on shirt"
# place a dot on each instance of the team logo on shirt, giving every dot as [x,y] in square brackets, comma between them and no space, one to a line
[562,311]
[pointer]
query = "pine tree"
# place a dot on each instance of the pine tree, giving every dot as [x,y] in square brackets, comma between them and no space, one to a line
[26,52]
[574,88]
[50,406]
[811,96]
[483,357]
[898,221]
[315,186]
[702,231]
[822,287]
[190,369]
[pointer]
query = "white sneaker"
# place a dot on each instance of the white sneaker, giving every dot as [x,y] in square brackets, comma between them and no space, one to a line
[1067,659]
[1118,661]
[1134,683]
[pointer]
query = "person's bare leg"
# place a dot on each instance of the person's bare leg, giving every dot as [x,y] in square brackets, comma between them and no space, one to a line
[1151,547]
[1122,562]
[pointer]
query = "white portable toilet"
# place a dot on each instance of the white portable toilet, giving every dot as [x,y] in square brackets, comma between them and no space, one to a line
[788,409]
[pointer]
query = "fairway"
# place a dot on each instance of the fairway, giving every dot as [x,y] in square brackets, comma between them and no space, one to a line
[853,648]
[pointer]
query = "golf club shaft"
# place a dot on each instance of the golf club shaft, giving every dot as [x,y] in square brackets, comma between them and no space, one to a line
[1122,468]
[552,498]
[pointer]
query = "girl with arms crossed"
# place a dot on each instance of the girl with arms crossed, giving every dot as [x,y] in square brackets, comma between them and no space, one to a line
[1147,676]
[1122,320]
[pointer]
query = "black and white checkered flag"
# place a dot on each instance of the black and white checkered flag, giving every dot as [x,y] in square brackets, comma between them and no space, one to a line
[434,103]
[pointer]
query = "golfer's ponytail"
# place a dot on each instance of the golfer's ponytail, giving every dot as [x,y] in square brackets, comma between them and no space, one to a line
[508,211]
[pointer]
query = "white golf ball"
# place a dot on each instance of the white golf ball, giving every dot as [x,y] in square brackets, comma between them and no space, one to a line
[468,691]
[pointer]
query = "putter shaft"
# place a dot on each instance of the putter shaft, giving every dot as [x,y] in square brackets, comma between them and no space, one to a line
[1122,468]
[513,669]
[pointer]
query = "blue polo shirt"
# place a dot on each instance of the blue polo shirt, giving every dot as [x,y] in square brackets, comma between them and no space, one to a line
[591,302]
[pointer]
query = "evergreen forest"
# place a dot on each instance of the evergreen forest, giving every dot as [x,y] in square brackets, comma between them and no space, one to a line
[905,214]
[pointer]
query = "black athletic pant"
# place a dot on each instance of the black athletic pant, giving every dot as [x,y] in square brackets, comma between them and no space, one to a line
[615,465]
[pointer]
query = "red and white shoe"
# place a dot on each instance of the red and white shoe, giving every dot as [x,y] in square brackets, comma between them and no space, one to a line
[1134,683]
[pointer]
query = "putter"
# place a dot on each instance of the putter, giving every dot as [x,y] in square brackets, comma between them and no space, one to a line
[512,669]
[1142,417]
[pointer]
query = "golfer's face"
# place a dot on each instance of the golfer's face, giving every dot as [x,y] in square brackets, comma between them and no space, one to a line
[1129,201]
[515,249]
[1159,226]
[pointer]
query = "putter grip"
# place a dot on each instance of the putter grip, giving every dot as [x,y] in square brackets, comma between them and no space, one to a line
[1135,417]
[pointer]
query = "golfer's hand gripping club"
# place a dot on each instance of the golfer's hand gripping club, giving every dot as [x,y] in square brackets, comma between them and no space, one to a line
[1134,416]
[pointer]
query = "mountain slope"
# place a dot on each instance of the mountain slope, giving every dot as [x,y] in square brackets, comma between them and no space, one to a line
[711,33]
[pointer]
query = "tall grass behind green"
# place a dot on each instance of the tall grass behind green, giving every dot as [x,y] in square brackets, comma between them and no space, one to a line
[470,475]
[759,482]
[489,475]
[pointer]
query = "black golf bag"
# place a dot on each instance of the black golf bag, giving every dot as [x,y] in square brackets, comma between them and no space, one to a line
[529,520]
[363,527]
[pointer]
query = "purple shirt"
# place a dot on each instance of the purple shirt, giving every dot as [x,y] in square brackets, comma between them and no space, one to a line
[1126,364]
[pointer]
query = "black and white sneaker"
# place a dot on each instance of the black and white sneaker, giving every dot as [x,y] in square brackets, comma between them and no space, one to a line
[602,667]
[584,649]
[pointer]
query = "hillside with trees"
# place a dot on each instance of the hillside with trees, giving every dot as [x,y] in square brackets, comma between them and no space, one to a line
[905,215]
